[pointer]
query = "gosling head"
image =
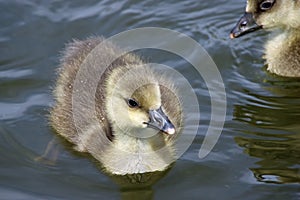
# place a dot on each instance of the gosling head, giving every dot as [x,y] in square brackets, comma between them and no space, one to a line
[268,14]
[134,104]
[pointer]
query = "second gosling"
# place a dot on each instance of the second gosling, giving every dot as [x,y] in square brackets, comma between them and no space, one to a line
[283,50]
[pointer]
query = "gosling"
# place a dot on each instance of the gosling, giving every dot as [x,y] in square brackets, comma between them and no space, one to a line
[137,112]
[282,52]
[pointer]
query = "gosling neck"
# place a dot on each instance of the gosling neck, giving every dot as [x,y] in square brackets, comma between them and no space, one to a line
[283,53]
[139,140]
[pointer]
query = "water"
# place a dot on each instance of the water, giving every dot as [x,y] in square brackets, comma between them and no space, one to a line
[257,156]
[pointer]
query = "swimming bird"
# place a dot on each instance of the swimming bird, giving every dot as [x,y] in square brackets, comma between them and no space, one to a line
[136,116]
[282,52]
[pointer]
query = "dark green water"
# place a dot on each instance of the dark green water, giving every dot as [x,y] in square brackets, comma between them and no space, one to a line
[257,156]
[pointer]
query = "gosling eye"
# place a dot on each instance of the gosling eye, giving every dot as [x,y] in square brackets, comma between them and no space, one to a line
[132,103]
[267,5]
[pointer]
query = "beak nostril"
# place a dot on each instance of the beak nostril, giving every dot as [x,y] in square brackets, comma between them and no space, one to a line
[157,118]
[243,24]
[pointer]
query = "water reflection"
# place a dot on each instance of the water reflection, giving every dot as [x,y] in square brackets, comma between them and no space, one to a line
[138,186]
[272,133]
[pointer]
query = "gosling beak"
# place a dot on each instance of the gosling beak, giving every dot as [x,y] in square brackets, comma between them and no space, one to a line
[245,25]
[160,121]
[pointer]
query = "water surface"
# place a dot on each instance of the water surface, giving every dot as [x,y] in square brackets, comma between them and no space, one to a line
[257,156]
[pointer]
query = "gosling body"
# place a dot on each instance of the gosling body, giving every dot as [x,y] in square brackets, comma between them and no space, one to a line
[137,114]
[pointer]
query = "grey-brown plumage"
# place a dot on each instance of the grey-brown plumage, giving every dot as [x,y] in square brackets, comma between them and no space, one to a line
[283,49]
[136,116]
